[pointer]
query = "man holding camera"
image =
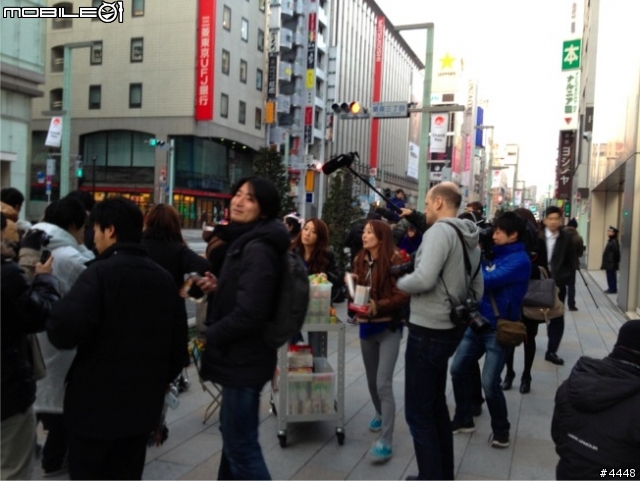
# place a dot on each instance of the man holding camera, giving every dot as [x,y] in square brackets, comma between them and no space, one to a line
[432,337]
[506,279]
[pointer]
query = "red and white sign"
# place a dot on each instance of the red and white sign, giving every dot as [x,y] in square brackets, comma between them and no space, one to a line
[54,136]
[377,86]
[439,127]
[205,56]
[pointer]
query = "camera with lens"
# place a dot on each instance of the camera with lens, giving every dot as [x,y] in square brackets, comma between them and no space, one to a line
[404,268]
[467,314]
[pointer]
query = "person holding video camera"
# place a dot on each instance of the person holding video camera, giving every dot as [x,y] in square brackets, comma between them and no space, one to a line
[432,337]
[506,279]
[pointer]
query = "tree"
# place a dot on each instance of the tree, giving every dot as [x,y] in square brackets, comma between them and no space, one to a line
[268,163]
[339,211]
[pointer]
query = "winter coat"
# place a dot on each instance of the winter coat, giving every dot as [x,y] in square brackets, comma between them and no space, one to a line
[506,277]
[563,258]
[176,258]
[25,307]
[611,255]
[596,420]
[577,245]
[236,354]
[127,321]
[69,261]
[10,232]
[440,256]
[410,244]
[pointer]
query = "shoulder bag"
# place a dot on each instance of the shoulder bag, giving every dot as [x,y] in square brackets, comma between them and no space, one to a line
[508,333]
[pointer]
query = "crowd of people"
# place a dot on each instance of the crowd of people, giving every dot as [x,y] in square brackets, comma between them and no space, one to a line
[93,335]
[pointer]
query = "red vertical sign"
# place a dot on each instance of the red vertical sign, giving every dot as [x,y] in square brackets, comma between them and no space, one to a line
[377,87]
[205,57]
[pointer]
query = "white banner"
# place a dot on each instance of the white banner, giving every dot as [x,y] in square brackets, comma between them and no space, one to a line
[414,160]
[495,179]
[518,200]
[54,136]
[439,126]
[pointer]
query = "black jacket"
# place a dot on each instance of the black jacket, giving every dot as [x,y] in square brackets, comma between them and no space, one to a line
[178,259]
[25,308]
[611,255]
[236,354]
[563,258]
[596,421]
[127,320]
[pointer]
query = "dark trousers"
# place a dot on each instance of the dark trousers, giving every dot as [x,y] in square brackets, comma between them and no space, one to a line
[107,458]
[476,385]
[555,329]
[571,291]
[612,281]
[529,350]
[426,360]
[55,447]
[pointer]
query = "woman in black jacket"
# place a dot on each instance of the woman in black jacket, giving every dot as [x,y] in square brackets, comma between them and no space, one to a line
[611,260]
[236,355]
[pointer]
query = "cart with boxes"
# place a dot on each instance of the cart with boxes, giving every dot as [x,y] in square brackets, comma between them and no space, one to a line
[308,387]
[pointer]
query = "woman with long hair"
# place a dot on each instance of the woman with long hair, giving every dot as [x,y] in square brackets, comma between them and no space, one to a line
[380,328]
[531,244]
[236,355]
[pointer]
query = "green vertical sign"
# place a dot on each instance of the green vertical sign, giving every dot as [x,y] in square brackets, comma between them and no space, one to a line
[571,50]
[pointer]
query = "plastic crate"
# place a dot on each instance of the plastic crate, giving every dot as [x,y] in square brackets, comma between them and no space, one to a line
[312,393]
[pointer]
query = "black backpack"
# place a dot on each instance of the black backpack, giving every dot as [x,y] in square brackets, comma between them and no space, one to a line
[292,302]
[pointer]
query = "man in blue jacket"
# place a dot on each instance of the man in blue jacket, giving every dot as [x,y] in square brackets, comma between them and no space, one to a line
[506,278]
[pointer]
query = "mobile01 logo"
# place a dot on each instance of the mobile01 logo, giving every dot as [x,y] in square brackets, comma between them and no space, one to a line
[107,12]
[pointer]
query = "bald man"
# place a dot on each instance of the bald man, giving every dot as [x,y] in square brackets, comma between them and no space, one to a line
[439,282]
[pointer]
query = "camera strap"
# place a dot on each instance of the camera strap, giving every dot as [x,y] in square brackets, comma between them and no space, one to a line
[467,262]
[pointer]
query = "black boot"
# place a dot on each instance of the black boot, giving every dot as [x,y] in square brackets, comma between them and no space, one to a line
[508,381]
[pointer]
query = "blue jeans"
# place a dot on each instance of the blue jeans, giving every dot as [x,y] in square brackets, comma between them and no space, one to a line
[426,359]
[239,417]
[471,348]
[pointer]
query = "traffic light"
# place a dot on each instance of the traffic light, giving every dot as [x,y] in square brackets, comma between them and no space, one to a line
[79,171]
[351,110]
[156,142]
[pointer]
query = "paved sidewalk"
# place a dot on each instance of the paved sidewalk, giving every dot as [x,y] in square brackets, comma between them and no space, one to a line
[193,448]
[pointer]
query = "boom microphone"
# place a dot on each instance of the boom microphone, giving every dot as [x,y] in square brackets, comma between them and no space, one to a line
[342,160]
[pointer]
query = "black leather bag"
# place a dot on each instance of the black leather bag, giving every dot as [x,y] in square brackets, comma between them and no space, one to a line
[541,292]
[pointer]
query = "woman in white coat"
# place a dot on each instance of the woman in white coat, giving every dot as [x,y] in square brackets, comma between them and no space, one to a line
[64,221]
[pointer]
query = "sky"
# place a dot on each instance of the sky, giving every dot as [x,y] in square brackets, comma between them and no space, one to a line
[513,49]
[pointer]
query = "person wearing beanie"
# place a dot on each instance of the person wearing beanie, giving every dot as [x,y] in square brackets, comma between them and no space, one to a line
[611,260]
[596,420]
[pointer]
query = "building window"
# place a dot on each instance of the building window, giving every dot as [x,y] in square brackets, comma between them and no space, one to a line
[259,80]
[137,8]
[95,96]
[262,5]
[224,105]
[226,61]
[96,54]
[60,23]
[258,119]
[135,96]
[57,59]
[137,45]
[226,18]
[260,40]
[243,71]
[244,30]
[55,99]
[242,112]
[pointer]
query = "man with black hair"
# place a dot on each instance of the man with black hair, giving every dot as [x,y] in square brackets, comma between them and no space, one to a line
[88,202]
[506,278]
[11,200]
[557,256]
[596,420]
[63,222]
[126,319]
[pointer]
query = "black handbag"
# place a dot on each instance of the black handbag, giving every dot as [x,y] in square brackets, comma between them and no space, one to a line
[541,292]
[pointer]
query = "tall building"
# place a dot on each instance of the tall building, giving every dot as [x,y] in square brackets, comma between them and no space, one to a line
[22,60]
[191,72]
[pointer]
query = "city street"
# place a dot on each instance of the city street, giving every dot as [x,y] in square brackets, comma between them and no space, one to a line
[192,450]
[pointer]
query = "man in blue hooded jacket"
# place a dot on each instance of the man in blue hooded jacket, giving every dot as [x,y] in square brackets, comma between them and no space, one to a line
[506,279]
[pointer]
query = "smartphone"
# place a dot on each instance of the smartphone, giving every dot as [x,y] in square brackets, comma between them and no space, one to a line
[44,257]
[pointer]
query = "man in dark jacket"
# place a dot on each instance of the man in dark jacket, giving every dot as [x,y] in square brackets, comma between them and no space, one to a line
[557,256]
[25,307]
[127,321]
[578,250]
[611,260]
[596,421]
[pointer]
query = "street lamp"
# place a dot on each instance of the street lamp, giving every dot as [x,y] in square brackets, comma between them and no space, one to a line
[65,142]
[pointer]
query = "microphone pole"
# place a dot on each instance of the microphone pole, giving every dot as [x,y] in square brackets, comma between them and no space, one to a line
[390,204]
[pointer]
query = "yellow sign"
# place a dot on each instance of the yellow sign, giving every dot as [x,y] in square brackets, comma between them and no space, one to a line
[446,61]
[311,79]
[309,181]
[270,113]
